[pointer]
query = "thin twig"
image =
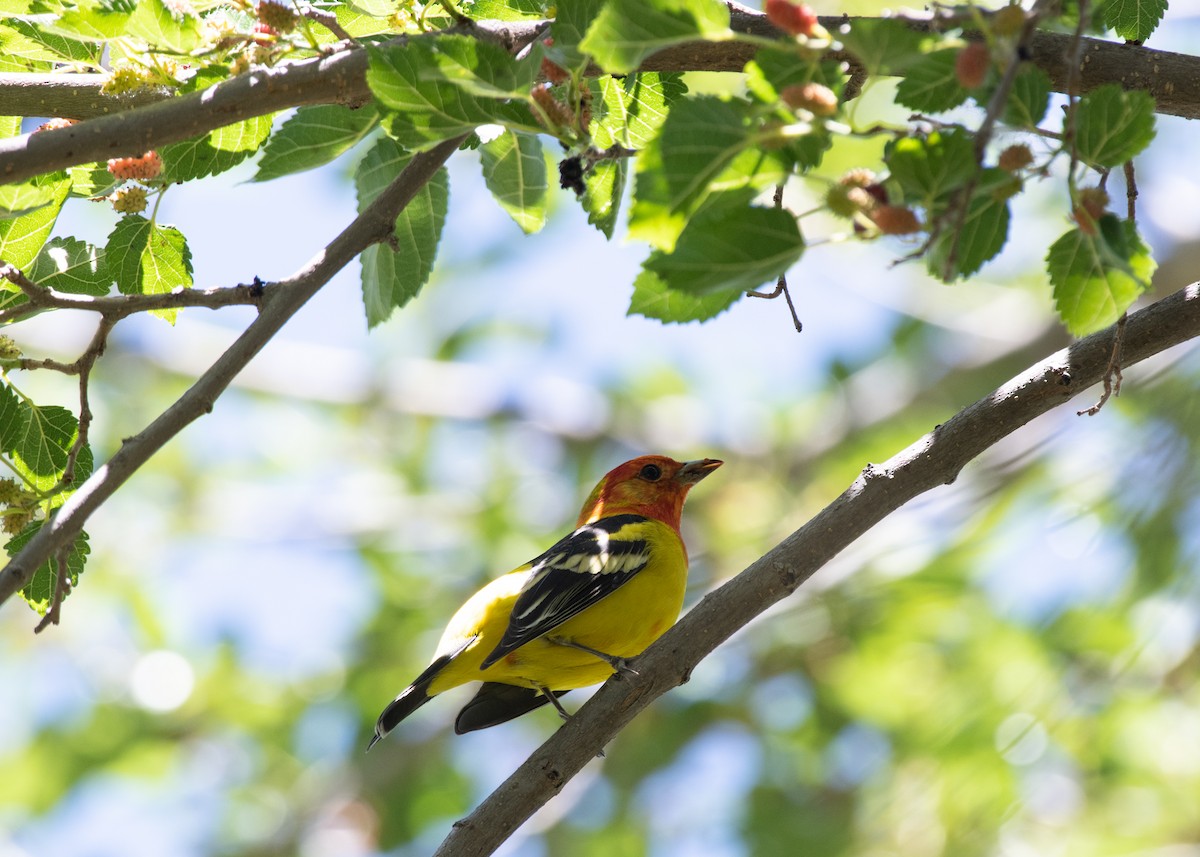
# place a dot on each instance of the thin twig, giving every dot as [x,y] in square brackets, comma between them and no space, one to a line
[1131,192]
[330,22]
[85,362]
[1074,61]
[62,588]
[120,306]
[781,288]
[781,285]
[1112,373]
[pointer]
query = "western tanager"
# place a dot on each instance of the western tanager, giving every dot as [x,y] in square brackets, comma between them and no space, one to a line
[571,616]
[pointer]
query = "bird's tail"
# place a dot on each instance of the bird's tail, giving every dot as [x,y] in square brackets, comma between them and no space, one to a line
[412,697]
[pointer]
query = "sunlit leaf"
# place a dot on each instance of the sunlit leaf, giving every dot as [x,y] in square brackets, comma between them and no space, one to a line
[729,245]
[71,265]
[1112,125]
[393,274]
[312,137]
[627,31]
[514,170]
[39,591]
[653,298]
[1097,277]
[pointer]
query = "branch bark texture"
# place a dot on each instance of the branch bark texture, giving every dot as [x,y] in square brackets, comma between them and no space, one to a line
[936,459]
[280,301]
[1173,79]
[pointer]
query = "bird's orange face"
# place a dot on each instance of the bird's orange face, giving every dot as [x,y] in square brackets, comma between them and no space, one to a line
[650,485]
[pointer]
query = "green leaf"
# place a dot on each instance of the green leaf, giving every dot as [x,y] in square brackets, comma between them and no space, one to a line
[20,199]
[571,23]
[1029,98]
[312,137]
[164,29]
[772,70]
[604,184]
[46,45]
[43,440]
[651,218]
[1097,277]
[10,418]
[425,109]
[653,298]
[393,276]
[146,258]
[71,265]
[358,24]
[983,233]
[215,152]
[22,237]
[627,31]
[629,111]
[91,180]
[1112,125]
[39,591]
[931,85]
[885,46]
[1134,20]
[930,168]
[477,67]
[701,139]
[93,21]
[508,10]
[729,245]
[123,253]
[514,170]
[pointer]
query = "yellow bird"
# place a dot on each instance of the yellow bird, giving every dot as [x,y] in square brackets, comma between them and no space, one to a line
[570,617]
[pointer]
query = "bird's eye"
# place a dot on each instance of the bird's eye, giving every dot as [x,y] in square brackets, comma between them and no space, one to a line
[651,472]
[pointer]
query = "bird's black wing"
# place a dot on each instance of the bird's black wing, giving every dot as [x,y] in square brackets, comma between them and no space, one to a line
[497,703]
[578,571]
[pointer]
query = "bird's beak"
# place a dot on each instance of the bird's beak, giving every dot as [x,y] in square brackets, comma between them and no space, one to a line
[693,471]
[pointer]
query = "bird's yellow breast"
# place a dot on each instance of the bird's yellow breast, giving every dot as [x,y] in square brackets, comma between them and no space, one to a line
[621,624]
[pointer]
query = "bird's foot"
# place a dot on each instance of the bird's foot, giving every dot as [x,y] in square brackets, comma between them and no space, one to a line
[620,666]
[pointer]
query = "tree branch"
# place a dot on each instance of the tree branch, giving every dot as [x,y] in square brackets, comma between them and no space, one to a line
[116,307]
[337,79]
[934,460]
[279,303]
[1173,79]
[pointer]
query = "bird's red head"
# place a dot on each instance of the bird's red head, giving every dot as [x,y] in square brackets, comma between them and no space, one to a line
[651,485]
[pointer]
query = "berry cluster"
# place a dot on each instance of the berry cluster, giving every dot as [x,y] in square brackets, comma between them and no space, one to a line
[816,98]
[794,18]
[858,194]
[142,168]
[129,200]
[274,18]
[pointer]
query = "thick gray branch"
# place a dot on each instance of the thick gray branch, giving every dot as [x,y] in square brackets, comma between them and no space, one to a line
[934,460]
[280,301]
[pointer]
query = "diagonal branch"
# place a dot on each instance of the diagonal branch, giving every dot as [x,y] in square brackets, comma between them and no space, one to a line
[934,460]
[279,303]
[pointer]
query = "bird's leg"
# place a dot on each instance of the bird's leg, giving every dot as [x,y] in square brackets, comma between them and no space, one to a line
[620,665]
[549,694]
[562,712]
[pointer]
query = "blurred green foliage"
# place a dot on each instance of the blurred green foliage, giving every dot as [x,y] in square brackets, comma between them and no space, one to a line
[1006,667]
